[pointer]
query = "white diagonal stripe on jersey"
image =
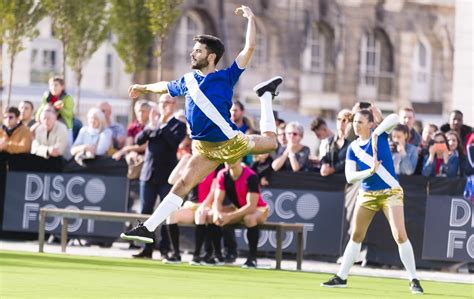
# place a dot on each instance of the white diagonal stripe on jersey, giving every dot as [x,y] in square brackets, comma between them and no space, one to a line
[207,107]
[369,161]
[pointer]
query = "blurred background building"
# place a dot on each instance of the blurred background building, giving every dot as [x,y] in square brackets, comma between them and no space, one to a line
[332,54]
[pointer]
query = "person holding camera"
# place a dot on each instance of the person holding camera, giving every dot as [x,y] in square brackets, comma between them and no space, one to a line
[440,161]
[404,155]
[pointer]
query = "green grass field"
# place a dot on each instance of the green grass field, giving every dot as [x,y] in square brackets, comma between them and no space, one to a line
[35,275]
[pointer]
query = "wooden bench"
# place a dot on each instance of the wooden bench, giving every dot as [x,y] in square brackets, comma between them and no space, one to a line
[279,227]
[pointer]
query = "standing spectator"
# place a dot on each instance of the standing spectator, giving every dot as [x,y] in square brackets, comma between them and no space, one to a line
[282,140]
[93,140]
[295,156]
[240,184]
[456,148]
[335,159]
[404,155]
[323,133]
[407,117]
[62,102]
[50,143]
[162,136]
[440,161]
[15,137]
[26,113]
[456,124]
[262,165]
[118,131]
[426,140]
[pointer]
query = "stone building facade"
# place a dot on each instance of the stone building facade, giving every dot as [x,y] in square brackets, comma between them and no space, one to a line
[332,53]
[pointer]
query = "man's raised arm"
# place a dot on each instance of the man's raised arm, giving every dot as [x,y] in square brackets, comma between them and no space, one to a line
[245,55]
[135,90]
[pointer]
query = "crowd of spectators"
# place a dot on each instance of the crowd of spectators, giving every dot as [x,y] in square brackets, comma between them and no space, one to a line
[157,139]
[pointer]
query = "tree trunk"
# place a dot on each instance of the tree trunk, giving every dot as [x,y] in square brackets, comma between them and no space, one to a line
[159,68]
[131,112]
[63,71]
[78,92]
[12,62]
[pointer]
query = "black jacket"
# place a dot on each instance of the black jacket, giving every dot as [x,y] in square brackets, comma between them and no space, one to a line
[160,154]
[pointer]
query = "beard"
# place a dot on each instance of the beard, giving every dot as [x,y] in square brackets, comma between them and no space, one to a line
[199,64]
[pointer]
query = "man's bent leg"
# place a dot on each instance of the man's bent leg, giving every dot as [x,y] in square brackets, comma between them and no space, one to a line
[197,168]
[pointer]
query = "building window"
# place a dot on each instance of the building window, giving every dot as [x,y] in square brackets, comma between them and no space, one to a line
[376,76]
[420,91]
[369,60]
[43,65]
[108,71]
[49,59]
[314,54]
[260,56]
[190,25]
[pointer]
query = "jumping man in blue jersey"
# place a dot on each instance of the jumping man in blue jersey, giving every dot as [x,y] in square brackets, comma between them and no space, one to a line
[216,139]
[369,159]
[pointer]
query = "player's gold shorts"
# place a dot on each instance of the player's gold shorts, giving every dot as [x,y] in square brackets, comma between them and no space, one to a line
[229,151]
[380,199]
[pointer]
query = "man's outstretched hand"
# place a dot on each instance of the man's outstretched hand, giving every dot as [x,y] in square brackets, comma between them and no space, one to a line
[244,11]
[134,91]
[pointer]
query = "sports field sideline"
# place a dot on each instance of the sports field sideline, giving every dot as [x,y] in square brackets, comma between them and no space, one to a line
[33,275]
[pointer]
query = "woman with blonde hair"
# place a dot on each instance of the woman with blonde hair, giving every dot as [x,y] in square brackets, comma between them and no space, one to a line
[94,139]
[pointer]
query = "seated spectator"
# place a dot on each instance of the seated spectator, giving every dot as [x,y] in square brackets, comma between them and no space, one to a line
[240,184]
[118,131]
[455,147]
[62,102]
[94,139]
[26,113]
[407,117]
[15,137]
[323,133]
[440,161]
[456,124]
[335,159]
[295,156]
[51,142]
[404,155]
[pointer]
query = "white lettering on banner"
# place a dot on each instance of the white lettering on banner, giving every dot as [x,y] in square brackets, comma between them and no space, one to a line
[456,218]
[31,180]
[460,214]
[267,197]
[30,213]
[288,214]
[75,198]
[58,189]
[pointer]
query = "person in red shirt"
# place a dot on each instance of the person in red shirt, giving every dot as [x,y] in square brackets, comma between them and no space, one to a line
[240,184]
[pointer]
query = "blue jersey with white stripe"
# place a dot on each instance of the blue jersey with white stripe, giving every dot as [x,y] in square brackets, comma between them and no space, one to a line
[362,154]
[208,102]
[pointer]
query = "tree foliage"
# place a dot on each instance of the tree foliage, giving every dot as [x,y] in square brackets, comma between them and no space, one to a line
[88,30]
[129,21]
[163,14]
[18,22]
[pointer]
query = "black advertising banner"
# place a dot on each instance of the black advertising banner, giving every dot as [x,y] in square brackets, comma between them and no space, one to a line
[449,229]
[322,214]
[27,192]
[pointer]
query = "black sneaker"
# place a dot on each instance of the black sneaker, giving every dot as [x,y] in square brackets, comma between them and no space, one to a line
[219,260]
[174,259]
[143,255]
[208,261]
[269,85]
[195,261]
[250,263]
[415,287]
[139,233]
[335,282]
[230,258]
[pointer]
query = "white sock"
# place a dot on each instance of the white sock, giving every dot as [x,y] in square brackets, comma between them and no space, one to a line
[171,203]
[350,255]
[267,119]
[408,259]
